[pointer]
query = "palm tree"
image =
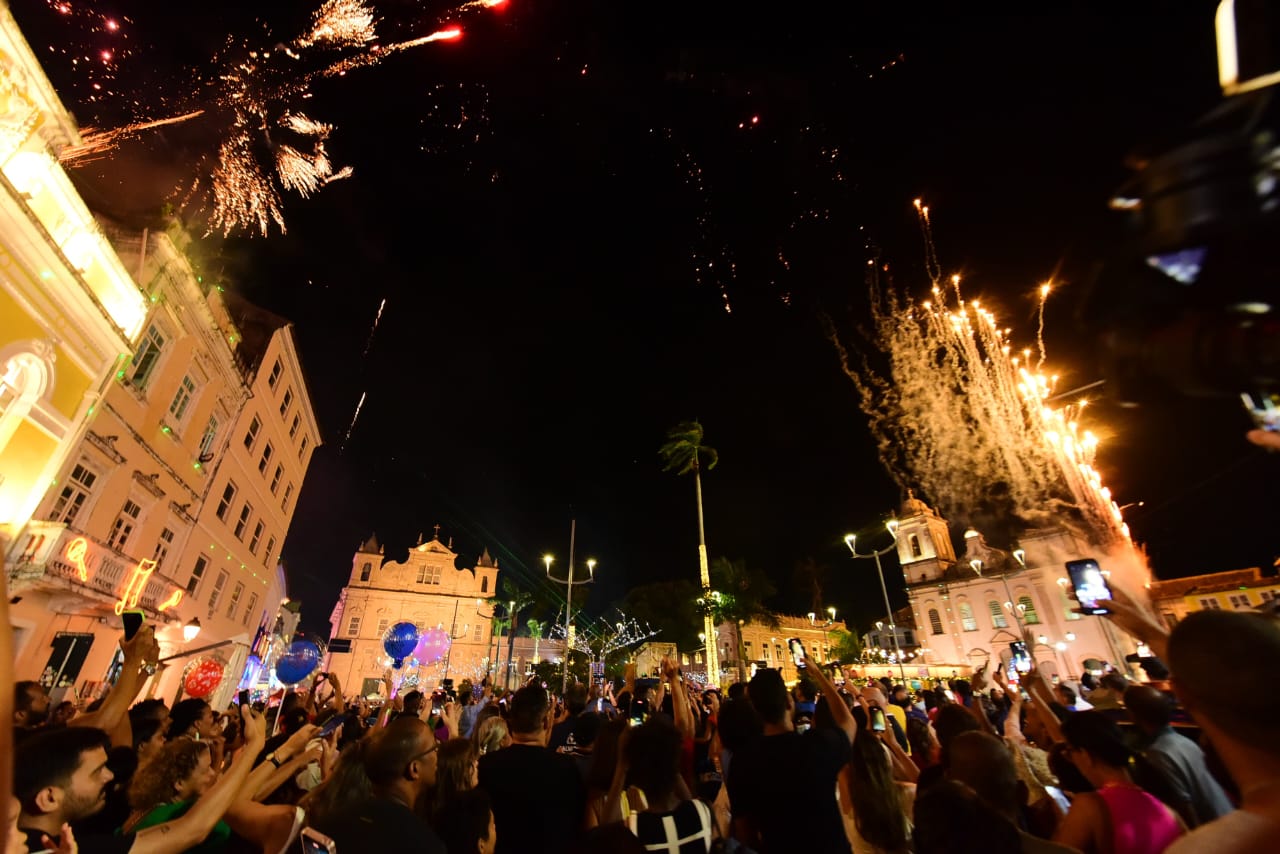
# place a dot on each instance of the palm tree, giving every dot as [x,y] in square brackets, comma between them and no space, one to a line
[741,596]
[517,601]
[536,628]
[684,453]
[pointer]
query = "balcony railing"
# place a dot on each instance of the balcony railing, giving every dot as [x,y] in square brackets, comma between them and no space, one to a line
[51,554]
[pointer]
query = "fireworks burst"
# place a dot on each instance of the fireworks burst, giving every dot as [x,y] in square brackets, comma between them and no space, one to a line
[266,145]
[961,410]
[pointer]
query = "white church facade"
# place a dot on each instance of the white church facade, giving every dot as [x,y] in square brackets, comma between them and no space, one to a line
[968,609]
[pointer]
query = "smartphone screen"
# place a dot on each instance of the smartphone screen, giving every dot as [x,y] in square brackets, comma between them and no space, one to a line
[877,720]
[797,652]
[1021,659]
[133,621]
[330,725]
[244,699]
[1090,585]
[314,842]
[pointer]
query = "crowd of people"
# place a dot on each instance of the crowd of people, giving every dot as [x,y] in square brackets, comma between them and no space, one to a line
[1000,762]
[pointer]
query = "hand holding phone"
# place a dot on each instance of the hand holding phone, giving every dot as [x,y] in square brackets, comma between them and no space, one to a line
[243,699]
[797,652]
[877,720]
[133,621]
[1090,585]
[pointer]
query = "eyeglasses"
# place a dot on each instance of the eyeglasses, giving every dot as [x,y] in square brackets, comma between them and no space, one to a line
[430,750]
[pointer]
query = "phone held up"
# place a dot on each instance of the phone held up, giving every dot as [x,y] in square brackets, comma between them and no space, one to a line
[1020,659]
[133,621]
[877,720]
[797,652]
[1090,585]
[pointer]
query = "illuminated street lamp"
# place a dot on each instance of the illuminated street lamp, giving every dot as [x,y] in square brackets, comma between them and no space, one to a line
[569,583]
[850,539]
[191,629]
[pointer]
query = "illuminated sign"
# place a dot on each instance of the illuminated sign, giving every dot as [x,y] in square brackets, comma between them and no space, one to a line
[77,551]
[136,584]
[174,598]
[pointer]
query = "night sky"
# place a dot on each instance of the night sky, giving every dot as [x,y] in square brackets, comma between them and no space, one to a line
[527,201]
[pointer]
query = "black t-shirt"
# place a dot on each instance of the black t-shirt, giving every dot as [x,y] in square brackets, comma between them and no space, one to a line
[786,785]
[382,825]
[538,798]
[560,733]
[106,843]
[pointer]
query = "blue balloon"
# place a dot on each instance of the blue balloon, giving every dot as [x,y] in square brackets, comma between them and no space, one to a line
[399,642]
[299,662]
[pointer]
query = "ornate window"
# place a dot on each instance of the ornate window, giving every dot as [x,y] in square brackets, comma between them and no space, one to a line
[182,400]
[916,551]
[197,573]
[967,620]
[123,526]
[1028,609]
[144,361]
[997,615]
[366,569]
[75,492]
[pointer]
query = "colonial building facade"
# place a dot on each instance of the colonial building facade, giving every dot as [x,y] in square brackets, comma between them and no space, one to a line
[766,646]
[968,610]
[178,497]
[428,590]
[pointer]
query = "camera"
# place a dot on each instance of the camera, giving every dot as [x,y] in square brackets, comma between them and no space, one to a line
[1186,305]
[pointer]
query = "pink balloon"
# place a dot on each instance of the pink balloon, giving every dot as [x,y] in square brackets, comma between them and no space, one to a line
[432,646]
[202,677]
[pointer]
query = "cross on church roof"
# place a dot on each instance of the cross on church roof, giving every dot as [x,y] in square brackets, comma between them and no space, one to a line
[437,530]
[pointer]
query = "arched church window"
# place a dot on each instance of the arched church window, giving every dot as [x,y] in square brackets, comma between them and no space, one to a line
[916,551]
[366,569]
[484,584]
[935,621]
[1028,608]
[997,615]
[967,621]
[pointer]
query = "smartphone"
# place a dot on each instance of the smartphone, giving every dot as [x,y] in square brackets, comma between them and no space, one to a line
[639,711]
[243,699]
[1021,659]
[315,842]
[330,725]
[133,621]
[1090,585]
[877,720]
[1264,409]
[797,652]
[435,711]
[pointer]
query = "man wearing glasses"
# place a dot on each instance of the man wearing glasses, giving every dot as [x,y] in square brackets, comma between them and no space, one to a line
[401,765]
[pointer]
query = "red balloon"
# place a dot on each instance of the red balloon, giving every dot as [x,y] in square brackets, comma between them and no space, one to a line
[203,678]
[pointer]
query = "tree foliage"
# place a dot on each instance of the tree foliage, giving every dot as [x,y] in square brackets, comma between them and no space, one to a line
[684,452]
[671,608]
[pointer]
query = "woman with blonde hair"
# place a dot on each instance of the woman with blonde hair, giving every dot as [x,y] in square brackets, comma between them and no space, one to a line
[491,735]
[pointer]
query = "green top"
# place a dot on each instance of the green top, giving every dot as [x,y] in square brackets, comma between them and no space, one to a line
[214,843]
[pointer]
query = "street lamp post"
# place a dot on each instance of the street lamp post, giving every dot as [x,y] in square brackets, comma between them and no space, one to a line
[850,540]
[826,630]
[568,603]
[448,655]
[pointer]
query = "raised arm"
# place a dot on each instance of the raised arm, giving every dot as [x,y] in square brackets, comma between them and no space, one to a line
[339,704]
[679,703]
[260,779]
[138,653]
[839,711]
[186,832]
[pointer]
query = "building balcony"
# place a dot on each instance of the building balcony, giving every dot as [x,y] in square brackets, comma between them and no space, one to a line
[65,563]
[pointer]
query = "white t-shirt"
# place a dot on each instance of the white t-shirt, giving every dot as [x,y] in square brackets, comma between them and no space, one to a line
[1238,831]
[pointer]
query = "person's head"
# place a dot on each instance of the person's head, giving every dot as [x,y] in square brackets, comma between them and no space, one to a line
[769,695]
[491,734]
[346,785]
[951,819]
[1114,681]
[1209,646]
[30,704]
[180,771]
[1066,694]
[1150,709]
[1095,745]
[457,771]
[738,691]
[1088,682]
[952,719]
[586,728]
[877,799]
[806,691]
[575,699]
[467,827]
[961,688]
[148,738]
[61,775]
[984,764]
[900,696]
[653,757]
[155,709]
[403,757]
[64,712]
[413,702]
[924,747]
[529,711]
[191,717]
